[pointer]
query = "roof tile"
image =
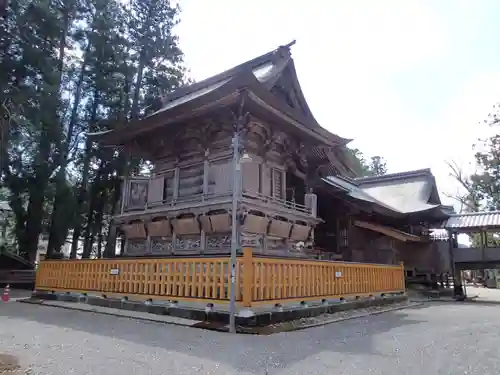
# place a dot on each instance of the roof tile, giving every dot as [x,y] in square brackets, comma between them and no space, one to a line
[475,220]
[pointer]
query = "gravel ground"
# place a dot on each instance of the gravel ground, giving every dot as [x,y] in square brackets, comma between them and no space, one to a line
[334,317]
[431,339]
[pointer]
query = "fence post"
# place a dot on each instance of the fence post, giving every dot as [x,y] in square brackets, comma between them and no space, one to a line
[403,276]
[247,276]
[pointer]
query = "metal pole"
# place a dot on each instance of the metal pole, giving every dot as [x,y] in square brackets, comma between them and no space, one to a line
[234,229]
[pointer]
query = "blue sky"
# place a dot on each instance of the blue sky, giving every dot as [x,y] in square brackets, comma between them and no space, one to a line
[407,80]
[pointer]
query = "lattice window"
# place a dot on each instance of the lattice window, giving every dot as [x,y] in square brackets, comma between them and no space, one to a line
[277,183]
[344,238]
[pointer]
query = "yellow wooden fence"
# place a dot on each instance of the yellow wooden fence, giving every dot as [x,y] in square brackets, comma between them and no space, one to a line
[259,280]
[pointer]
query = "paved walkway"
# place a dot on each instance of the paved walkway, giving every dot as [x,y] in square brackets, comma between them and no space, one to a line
[17,294]
[435,339]
[484,294]
[121,313]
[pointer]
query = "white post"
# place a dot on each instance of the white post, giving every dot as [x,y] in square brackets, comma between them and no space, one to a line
[234,229]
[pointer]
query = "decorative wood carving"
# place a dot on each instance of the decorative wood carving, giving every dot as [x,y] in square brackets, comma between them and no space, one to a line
[188,242]
[218,242]
[161,245]
[276,245]
[274,143]
[252,240]
[136,247]
[296,248]
[288,154]
[302,155]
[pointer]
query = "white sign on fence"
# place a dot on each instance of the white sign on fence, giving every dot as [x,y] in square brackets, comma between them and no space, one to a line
[338,274]
[114,271]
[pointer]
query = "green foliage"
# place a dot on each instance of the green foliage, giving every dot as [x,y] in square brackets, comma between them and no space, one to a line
[68,68]
[481,190]
[375,166]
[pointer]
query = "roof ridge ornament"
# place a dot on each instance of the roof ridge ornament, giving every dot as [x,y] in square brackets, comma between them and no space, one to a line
[284,49]
[292,43]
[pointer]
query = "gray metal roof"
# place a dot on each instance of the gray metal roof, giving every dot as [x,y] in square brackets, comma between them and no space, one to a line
[354,191]
[407,192]
[474,220]
[404,193]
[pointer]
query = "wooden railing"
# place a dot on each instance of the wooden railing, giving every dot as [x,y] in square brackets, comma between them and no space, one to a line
[259,280]
[144,203]
[279,280]
[163,278]
[277,201]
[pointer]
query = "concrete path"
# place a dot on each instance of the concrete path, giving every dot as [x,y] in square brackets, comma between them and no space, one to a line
[484,294]
[120,313]
[433,339]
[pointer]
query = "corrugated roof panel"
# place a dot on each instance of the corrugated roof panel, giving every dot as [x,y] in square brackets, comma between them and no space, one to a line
[487,220]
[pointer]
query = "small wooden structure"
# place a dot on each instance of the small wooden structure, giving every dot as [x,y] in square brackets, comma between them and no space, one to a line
[482,255]
[300,200]
[184,206]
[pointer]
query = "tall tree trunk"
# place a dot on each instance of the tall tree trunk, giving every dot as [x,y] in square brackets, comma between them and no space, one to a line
[83,193]
[42,170]
[98,222]
[60,221]
[99,243]
[122,170]
[37,190]
[94,204]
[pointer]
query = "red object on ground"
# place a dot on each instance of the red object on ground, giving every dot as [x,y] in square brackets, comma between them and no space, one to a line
[5,295]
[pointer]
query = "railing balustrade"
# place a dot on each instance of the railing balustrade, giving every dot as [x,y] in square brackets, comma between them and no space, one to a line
[259,280]
[136,198]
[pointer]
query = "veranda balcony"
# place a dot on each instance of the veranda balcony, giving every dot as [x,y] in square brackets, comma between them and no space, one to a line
[156,194]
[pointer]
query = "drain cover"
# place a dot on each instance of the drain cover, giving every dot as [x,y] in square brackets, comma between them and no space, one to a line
[8,363]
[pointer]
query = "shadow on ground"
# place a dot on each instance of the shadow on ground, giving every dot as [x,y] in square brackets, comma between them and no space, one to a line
[239,351]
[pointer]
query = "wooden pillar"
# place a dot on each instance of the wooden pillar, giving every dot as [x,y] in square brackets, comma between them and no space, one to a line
[206,170]
[458,290]
[484,243]
[175,192]
[248,273]
[337,235]
[148,240]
